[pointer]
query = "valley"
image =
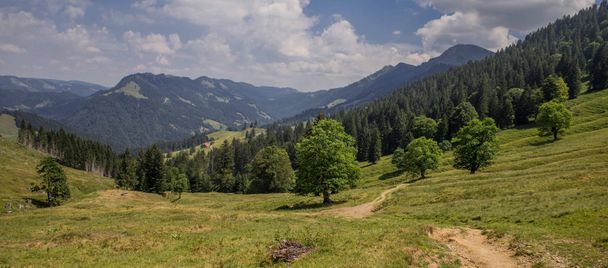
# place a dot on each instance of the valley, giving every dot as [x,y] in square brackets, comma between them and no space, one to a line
[151,108]
[420,133]
[547,209]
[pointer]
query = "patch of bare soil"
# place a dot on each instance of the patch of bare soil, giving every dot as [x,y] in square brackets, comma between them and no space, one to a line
[474,249]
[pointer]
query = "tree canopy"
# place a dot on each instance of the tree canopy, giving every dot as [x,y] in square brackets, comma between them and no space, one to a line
[271,171]
[419,156]
[553,118]
[476,145]
[326,157]
[555,88]
[462,114]
[424,127]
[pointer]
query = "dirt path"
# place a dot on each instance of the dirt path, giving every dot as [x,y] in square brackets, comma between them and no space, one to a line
[474,249]
[363,210]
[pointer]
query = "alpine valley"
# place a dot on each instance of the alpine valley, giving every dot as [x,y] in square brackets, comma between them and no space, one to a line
[147,108]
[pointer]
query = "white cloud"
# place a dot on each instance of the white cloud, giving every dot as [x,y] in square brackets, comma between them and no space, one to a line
[492,24]
[271,42]
[10,48]
[153,43]
[462,28]
[264,42]
[76,52]
[74,12]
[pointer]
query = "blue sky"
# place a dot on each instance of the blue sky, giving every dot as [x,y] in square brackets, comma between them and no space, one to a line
[305,44]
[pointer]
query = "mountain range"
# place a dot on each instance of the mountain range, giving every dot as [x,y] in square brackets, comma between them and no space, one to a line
[145,108]
[42,95]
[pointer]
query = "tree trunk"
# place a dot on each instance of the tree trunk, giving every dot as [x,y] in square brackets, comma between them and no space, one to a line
[422,176]
[554,135]
[473,170]
[326,200]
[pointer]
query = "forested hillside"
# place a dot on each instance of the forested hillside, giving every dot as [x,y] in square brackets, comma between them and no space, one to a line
[505,86]
[509,87]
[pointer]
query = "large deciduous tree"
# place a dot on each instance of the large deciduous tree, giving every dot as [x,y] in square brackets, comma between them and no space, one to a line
[420,155]
[553,118]
[476,145]
[54,181]
[424,127]
[555,88]
[326,157]
[271,171]
[462,114]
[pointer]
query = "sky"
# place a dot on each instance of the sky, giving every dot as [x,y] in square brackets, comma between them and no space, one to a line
[303,44]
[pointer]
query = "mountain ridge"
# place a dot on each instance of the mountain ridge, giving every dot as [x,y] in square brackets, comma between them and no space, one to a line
[145,108]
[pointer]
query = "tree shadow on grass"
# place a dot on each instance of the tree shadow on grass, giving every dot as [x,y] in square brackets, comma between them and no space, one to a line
[301,205]
[412,180]
[391,175]
[542,142]
[36,202]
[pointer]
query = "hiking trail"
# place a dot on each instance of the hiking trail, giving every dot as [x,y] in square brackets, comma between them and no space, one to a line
[474,249]
[363,210]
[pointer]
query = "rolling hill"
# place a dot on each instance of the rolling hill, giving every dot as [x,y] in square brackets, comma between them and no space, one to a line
[18,172]
[543,203]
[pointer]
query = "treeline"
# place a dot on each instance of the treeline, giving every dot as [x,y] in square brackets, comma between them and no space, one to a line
[172,146]
[505,87]
[508,87]
[227,167]
[69,149]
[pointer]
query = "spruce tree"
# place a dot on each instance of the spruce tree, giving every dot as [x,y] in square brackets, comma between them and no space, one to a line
[375,147]
[223,179]
[53,181]
[598,69]
[126,175]
[154,179]
[568,69]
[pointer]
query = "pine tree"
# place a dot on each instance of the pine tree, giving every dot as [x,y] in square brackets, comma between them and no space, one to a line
[507,114]
[153,168]
[53,181]
[375,147]
[363,145]
[224,179]
[568,69]
[126,176]
[598,70]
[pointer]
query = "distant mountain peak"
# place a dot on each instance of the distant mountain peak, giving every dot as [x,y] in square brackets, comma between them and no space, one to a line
[461,54]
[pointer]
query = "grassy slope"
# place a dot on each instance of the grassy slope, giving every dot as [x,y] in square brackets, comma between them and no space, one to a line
[18,171]
[220,136]
[8,127]
[550,198]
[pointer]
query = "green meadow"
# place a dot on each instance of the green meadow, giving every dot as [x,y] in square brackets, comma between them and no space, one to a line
[548,201]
